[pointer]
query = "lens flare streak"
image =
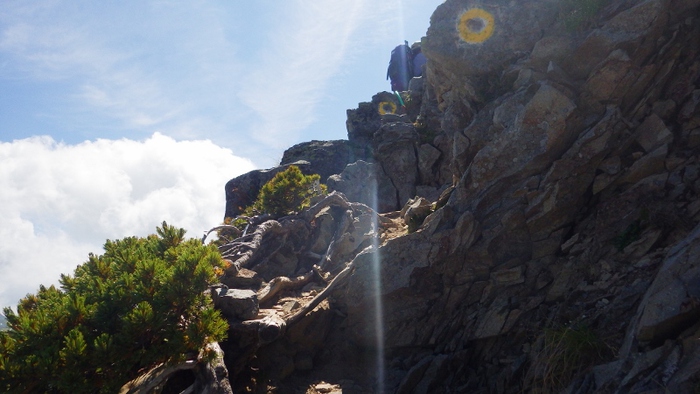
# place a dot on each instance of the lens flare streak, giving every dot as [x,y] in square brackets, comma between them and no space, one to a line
[378,304]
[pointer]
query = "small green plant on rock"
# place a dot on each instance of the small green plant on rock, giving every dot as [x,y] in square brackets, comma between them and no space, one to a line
[289,191]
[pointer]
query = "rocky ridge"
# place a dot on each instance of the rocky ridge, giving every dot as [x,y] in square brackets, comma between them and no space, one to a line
[533,211]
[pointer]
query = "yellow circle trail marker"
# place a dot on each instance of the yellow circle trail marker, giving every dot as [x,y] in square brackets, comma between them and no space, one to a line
[475,26]
[387,107]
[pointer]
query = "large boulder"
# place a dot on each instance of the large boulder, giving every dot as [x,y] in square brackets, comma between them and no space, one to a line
[469,43]
[236,303]
[325,157]
[366,182]
[366,119]
[395,149]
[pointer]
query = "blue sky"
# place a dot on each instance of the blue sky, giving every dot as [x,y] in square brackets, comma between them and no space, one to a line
[115,116]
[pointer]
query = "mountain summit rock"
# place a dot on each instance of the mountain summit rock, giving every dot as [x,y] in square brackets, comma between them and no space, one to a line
[528,219]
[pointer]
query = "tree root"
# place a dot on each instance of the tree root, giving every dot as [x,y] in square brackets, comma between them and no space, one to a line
[222,227]
[280,283]
[242,252]
[155,377]
[158,375]
[298,315]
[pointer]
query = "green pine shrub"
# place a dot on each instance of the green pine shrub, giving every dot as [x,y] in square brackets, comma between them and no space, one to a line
[139,304]
[289,191]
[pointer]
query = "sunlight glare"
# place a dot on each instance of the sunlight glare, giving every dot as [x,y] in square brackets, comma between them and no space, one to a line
[378,304]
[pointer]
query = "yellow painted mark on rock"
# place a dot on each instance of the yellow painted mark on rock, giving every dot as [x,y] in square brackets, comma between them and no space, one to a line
[387,107]
[475,26]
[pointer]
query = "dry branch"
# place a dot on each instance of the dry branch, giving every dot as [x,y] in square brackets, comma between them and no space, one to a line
[298,315]
[242,253]
[280,283]
[222,227]
[147,382]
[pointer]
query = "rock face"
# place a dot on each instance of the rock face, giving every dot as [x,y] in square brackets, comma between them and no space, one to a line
[366,183]
[325,157]
[563,256]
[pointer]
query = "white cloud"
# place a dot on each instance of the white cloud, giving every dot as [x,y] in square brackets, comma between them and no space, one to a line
[60,202]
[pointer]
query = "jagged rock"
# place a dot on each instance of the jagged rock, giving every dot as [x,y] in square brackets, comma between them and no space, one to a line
[609,82]
[415,211]
[508,276]
[325,157]
[414,376]
[416,86]
[470,48]
[549,50]
[690,108]
[364,121]
[282,263]
[428,157]
[243,279]
[558,75]
[528,142]
[611,165]
[427,376]
[444,175]
[672,303]
[646,241]
[566,181]
[323,233]
[395,149]
[653,133]
[636,28]
[570,159]
[647,165]
[664,108]
[394,118]
[359,234]
[406,254]
[366,183]
[236,303]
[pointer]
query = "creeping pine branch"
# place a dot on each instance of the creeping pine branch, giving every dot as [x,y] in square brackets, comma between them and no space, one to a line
[242,252]
[222,227]
[155,377]
[280,283]
[158,375]
[251,220]
[298,315]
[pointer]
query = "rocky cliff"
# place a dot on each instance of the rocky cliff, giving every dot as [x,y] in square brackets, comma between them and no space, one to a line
[526,223]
